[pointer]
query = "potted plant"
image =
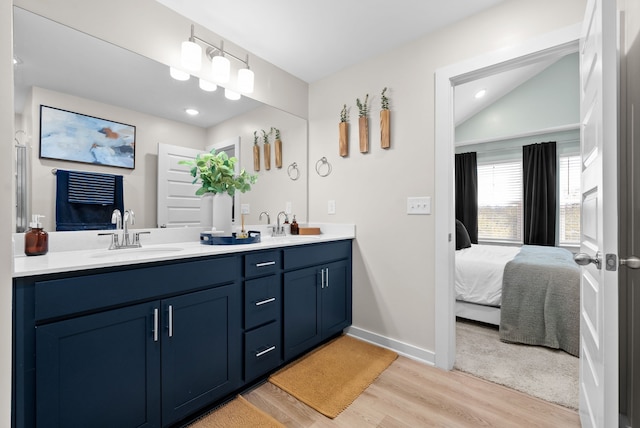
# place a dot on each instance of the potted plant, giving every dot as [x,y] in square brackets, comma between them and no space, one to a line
[278,144]
[363,124]
[219,182]
[267,150]
[343,130]
[385,133]
[256,152]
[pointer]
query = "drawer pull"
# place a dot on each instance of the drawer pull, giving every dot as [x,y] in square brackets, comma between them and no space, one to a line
[262,302]
[263,264]
[266,351]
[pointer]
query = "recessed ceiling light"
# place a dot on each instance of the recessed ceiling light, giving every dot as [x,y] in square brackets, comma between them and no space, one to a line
[191,111]
[481,93]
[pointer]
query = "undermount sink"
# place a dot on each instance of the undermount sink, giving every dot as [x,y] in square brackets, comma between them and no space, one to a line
[127,252]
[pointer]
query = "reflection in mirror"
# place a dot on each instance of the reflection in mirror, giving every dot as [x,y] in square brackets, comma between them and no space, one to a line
[96,78]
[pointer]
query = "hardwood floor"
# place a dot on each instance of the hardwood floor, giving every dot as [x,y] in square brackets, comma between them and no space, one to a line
[411,394]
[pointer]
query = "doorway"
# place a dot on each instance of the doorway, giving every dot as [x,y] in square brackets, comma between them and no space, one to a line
[557,43]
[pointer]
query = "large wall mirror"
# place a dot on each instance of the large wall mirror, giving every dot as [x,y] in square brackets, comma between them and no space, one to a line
[61,67]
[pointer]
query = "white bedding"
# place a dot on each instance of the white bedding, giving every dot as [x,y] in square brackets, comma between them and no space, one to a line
[479,272]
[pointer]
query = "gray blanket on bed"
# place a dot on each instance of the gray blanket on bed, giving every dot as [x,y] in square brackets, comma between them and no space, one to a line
[541,299]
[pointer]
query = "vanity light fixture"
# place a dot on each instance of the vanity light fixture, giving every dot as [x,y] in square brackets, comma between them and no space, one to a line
[481,93]
[179,74]
[205,85]
[245,79]
[231,95]
[191,60]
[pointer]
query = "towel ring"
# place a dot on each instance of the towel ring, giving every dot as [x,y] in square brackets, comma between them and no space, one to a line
[293,172]
[322,162]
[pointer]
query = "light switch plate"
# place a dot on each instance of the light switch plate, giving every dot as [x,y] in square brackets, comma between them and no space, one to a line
[331,207]
[287,208]
[244,209]
[419,205]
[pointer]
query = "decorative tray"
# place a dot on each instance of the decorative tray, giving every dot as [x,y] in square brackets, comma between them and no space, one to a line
[208,238]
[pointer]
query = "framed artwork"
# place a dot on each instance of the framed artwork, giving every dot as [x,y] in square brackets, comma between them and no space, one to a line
[75,137]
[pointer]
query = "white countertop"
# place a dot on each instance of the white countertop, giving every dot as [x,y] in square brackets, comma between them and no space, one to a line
[75,251]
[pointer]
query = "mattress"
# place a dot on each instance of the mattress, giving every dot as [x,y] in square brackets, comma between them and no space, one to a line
[479,273]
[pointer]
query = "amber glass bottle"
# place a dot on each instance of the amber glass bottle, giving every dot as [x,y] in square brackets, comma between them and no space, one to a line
[36,240]
[294,226]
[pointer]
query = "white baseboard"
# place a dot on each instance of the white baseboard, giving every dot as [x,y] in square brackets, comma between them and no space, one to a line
[404,349]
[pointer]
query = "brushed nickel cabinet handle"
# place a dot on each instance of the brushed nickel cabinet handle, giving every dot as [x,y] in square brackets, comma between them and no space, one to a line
[260,354]
[155,324]
[263,264]
[262,302]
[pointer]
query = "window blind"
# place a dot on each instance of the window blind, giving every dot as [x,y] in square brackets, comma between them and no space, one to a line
[569,198]
[500,201]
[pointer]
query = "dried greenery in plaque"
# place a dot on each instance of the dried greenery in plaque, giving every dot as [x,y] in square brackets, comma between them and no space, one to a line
[256,152]
[344,115]
[363,108]
[385,114]
[384,101]
[343,132]
[278,145]
[267,149]
[363,124]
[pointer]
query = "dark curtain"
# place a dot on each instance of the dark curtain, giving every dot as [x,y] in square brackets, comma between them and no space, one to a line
[467,193]
[539,181]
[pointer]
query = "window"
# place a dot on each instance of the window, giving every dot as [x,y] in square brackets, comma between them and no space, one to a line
[500,201]
[569,198]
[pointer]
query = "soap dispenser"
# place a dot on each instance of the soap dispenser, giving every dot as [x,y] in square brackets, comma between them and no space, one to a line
[36,240]
[294,226]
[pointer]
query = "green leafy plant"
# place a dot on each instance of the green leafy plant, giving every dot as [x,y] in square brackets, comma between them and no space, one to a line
[363,108]
[276,131]
[384,100]
[255,137]
[216,172]
[343,114]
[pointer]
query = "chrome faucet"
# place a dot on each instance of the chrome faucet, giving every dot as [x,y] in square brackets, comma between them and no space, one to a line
[280,229]
[122,223]
[268,217]
[129,215]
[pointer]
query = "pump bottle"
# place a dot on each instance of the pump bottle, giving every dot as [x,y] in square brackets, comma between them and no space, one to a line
[36,240]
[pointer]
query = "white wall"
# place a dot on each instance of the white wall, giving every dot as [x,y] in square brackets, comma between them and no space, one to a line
[394,253]
[140,189]
[274,188]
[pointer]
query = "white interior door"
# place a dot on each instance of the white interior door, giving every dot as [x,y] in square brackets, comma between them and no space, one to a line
[599,235]
[178,205]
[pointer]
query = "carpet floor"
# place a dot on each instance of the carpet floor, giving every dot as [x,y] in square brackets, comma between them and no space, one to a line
[549,374]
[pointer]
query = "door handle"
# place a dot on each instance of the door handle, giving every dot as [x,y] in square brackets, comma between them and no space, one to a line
[632,262]
[584,259]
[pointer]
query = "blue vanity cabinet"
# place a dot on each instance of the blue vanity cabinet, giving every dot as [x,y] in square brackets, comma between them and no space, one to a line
[127,347]
[99,370]
[262,313]
[201,350]
[317,295]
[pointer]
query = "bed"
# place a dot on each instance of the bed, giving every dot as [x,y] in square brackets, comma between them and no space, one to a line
[531,292]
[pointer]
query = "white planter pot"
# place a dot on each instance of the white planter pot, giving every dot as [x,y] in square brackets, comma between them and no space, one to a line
[215,212]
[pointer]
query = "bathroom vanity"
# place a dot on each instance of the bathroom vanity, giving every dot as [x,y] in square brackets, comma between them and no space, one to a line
[153,340]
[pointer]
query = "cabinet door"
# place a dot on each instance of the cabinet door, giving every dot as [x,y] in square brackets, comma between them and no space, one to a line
[201,350]
[301,311]
[336,298]
[100,370]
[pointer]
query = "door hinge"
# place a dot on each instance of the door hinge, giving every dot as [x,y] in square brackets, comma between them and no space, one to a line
[611,262]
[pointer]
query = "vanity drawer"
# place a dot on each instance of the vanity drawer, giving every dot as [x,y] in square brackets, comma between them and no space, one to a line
[315,254]
[90,292]
[262,300]
[263,350]
[262,263]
